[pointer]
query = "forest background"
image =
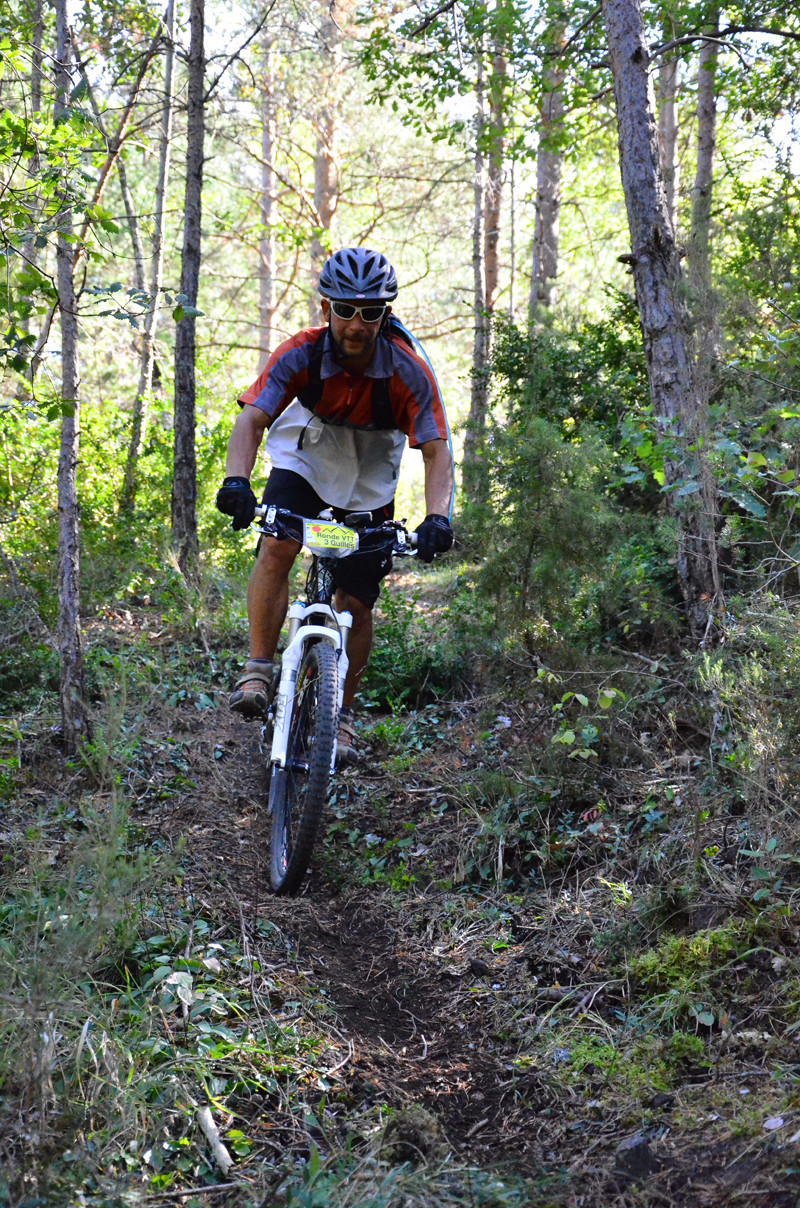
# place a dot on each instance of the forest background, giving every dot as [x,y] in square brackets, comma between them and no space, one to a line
[593,211]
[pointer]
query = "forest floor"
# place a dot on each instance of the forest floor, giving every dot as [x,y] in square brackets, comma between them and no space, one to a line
[472,1001]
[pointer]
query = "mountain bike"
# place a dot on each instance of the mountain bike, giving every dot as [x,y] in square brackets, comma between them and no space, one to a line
[303,718]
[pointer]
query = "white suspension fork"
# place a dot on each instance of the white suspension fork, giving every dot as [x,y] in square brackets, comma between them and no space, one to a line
[306,621]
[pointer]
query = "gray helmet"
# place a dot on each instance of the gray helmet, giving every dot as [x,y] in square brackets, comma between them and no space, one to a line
[357,272]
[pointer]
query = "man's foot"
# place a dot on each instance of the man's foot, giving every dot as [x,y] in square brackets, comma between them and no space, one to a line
[254,688]
[346,752]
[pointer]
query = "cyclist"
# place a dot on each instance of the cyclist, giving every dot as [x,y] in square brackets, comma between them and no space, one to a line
[338,403]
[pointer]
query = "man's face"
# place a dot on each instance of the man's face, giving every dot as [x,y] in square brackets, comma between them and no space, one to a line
[355,339]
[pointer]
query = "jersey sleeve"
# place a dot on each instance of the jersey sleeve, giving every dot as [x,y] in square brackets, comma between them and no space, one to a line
[284,375]
[416,400]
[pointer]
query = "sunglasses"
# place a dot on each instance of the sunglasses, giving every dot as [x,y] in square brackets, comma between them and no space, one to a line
[370,314]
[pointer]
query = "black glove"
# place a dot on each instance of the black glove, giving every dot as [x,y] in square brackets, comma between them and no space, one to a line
[434,536]
[235,498]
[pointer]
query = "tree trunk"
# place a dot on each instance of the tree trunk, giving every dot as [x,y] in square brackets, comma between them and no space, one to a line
[184,478]
[147,357]
[658,280]
[269,134]
[326,168]
[668,135]
[476,423]
[73,703]
[498,82]
[549,162]
[699,249]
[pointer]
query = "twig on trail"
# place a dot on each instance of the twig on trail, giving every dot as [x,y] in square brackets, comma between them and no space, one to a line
[476,1128]
[221,1155]
[186,954]
[342,1063]
[177,1195]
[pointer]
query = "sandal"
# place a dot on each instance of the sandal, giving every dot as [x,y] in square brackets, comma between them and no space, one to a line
[254,689]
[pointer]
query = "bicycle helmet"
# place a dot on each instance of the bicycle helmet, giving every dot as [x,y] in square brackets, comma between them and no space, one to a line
[357,272]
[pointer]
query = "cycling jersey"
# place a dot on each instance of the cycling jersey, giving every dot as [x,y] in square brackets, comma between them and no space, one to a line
[345,433]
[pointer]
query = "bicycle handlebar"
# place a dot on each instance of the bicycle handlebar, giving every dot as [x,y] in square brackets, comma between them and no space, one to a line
[395,528]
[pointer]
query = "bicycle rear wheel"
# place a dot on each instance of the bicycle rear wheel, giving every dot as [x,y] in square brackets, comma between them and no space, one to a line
[298,791]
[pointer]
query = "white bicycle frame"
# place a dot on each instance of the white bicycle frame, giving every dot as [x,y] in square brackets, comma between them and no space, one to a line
[333,628]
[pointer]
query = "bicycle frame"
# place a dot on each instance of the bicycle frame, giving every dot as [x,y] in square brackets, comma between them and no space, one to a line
[335,628]
[310,622]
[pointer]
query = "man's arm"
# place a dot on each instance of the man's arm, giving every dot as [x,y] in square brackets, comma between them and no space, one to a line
[245,440]
[438,476]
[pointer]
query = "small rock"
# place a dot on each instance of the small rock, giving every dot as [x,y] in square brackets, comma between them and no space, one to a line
[479,967]
[635,1159]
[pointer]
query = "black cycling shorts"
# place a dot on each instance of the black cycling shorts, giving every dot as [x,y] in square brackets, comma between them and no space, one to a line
[360,575]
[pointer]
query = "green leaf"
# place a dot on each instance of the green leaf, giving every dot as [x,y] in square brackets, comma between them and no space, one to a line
[565,736]
[582,699]
[606,697]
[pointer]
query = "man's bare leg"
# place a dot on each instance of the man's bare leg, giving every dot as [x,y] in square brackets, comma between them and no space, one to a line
[359,643]
[268,595]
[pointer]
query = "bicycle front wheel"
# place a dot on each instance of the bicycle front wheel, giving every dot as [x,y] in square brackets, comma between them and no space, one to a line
[299,790]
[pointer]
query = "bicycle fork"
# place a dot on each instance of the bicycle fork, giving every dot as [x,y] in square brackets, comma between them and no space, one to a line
[334,627]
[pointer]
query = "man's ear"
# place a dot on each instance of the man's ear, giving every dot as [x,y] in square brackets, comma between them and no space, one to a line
[326,308]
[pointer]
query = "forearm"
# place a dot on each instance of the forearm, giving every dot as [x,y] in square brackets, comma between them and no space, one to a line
[244,443]
[438,476]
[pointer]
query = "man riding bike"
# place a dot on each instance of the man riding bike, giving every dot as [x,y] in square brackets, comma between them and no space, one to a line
[338,403]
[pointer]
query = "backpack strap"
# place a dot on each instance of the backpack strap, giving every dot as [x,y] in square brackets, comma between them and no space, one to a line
[311,394]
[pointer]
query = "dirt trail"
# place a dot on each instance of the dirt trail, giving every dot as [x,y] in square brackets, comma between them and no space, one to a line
[412,1026]
[410,1023]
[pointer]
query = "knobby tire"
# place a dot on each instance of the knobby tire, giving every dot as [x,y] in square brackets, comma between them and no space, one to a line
[298,791]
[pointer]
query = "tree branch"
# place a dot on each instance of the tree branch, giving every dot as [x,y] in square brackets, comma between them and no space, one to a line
[429,20]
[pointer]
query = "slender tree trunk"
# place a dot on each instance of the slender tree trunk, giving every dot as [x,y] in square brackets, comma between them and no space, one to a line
[267,250]
[184,479]
[473,437]
[699,249]
[147,357]
[36,56]
[549,162]
[73,703]
[498,83]
[658,280]
[326,168]
[668,135]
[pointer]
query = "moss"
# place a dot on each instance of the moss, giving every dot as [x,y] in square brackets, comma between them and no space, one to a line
[679,959]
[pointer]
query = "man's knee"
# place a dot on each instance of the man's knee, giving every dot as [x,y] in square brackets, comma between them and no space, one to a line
[359,610]
[277,556]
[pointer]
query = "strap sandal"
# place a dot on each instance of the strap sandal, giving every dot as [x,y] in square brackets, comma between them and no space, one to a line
[346,752]
[254,689]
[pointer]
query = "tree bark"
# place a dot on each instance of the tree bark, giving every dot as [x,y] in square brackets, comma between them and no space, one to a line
[184,477]
[668,135]
[498,83]
[74,717]
[549,162]
[699,248]
[326,167]
[479,398]
[267,251]
[665,328]
[147,357]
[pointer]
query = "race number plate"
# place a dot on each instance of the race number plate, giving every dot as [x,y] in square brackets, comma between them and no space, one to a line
[325,535]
